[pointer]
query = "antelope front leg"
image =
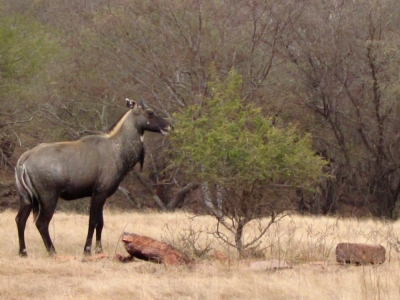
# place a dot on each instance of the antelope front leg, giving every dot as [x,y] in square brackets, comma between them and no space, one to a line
[95,222]
[87,250]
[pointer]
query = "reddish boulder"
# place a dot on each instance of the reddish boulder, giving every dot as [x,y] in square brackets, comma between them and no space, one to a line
[360,253]
[146,248]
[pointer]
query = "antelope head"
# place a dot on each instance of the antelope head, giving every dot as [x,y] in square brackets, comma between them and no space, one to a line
[147,119]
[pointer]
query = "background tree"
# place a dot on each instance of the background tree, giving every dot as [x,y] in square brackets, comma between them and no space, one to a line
[347,66]
[331,67]
[25,48]
[228,144]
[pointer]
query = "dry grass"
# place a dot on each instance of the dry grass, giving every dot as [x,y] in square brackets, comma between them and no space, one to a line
[301,240]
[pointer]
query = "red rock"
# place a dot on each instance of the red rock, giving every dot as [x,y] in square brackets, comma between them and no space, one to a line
[146,248]
[360,253]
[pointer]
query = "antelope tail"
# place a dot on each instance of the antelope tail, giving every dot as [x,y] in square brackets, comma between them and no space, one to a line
[26,190]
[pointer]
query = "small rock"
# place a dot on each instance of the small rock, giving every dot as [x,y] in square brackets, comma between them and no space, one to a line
[64,258]
[95,257]
[123,259]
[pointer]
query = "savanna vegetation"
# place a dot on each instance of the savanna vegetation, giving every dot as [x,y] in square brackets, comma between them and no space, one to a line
[327,69]
[307,241]
[280,109]
[278,106]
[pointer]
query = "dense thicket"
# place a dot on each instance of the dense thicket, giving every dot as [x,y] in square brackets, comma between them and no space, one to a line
[329,66]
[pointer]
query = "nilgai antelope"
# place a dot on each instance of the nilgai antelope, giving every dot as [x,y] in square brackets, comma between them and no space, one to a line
[92,166]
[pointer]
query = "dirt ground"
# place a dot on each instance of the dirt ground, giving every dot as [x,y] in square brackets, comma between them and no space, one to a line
[308,243]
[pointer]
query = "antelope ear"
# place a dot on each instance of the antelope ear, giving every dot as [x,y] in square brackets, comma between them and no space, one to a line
[130,103]
[142,103]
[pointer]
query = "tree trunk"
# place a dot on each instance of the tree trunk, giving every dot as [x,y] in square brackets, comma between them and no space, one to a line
[239,237]
[208,200]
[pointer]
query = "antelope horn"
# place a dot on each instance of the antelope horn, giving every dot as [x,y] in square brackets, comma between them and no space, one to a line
[142,103]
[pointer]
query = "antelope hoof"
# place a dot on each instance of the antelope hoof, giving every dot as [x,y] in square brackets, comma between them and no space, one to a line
[87,251]
[23,253]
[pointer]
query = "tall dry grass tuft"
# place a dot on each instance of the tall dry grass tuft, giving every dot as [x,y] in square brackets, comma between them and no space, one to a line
[302,240]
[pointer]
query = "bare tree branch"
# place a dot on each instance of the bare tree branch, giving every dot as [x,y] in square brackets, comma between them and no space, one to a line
[16,122]
[130,196]
[150,191]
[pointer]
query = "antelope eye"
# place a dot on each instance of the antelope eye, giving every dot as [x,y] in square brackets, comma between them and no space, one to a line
[150,112]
